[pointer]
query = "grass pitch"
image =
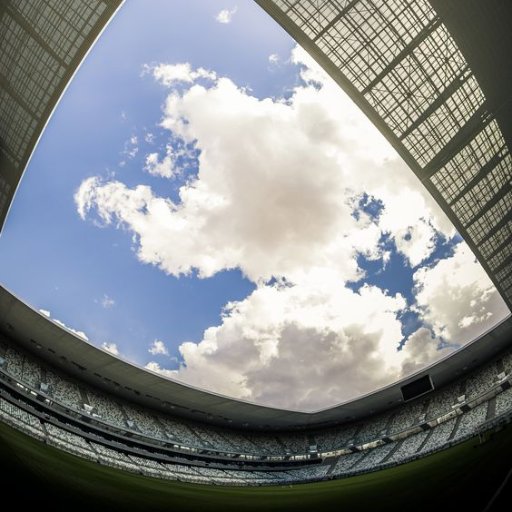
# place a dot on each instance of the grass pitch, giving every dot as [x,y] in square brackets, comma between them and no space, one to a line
[468,474]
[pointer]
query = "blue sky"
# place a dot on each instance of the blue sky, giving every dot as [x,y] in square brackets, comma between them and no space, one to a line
[254,294]
[66,266]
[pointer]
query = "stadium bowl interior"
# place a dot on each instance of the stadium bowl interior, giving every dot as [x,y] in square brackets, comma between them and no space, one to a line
[77,423]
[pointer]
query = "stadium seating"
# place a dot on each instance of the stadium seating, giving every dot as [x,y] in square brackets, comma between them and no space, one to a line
[408,447]
[472,419]
[504,402]
[129,437]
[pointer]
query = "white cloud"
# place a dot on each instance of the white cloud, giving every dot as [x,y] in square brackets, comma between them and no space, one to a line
[163,168]
[457,297]
[45,312]
[131,147]
[289,346]
[170,74]
[274,197]
[158,348]
[173,163]
[273,58]
[130,150]
[226,15]
[421,349]
[107,302]
[306,348]
[306,222]
[155,367]
[110,347]
[406,217]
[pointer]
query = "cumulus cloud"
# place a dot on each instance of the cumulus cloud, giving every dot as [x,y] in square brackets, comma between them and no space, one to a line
[171,74]
[285,345]
[226,15]
[155,367]
[457,298]
[422,348]
[306,348]
[415,232]
[219,222]
[158,348]
[274,196]
[45,312]
[174,162]
[163,168]
[110,347]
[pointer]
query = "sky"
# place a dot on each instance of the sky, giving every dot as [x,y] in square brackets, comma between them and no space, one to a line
[207,203]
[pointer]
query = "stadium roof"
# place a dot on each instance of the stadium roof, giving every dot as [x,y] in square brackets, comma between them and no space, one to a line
[99,367]
[429,79]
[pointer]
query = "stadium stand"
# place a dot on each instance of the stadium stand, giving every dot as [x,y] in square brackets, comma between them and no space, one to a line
[125,436]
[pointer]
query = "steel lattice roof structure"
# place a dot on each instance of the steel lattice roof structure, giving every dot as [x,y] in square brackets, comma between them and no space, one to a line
[428,74]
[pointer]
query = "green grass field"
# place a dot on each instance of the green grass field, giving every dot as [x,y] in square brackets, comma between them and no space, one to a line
[469,473]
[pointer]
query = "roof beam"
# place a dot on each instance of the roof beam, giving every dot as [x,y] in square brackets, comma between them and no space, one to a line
[504,264]
[502,192]
[335,20]
[502,222]
[440,100]
[413,44]
[475,124]
[486,169]
[29,30]
[507,241]
[19,99]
